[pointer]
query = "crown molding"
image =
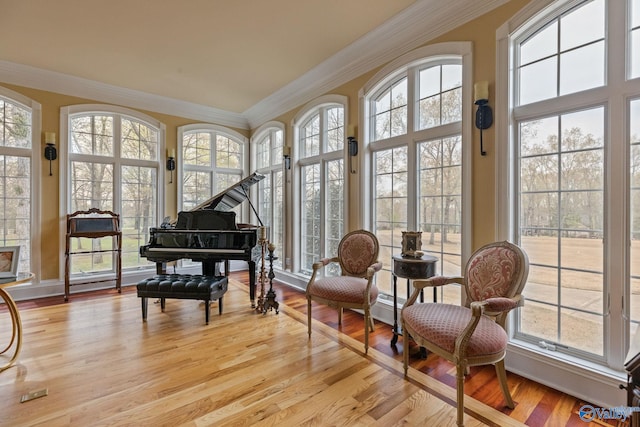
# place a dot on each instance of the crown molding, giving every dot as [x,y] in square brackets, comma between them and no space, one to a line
[51,81]
[418,24]
[411,28]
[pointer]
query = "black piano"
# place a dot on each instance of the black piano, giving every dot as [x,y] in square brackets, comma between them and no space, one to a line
[209,234]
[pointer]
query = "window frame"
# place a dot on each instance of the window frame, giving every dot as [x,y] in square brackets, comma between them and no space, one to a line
[593,380]
[65,158]
[36,167]
[181,168]
[297,163]
[437,54]
[274,167]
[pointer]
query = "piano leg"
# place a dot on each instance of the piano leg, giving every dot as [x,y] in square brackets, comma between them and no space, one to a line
[161,268]
[209,267]
[252,283]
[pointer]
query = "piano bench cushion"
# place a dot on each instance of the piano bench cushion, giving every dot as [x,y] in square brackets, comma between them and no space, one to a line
[183,286]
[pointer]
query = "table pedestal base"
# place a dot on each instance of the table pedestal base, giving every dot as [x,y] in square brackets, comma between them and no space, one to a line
[16,332]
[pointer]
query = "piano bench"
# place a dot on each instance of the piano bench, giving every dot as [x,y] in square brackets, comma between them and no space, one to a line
[183,286]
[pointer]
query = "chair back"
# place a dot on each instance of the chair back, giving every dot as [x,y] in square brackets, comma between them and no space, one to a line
[357,251]
[496,270]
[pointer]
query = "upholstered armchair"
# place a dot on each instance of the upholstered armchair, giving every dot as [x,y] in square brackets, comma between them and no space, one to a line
[474,334]
[354,288]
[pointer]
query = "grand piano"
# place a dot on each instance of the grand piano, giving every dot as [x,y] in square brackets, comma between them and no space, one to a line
[209,234]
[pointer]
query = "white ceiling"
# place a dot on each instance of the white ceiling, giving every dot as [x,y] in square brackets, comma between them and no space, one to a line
[237,61]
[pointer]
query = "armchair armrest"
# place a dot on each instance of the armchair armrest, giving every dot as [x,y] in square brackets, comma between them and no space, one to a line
[373,269]
[434,281]
[497,305]
[323,262]
[498,308]
[316,267]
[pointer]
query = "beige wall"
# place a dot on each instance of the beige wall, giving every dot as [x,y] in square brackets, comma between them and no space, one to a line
[51,104]
[480,31]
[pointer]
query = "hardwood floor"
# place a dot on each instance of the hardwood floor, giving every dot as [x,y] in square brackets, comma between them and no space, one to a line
[536,405]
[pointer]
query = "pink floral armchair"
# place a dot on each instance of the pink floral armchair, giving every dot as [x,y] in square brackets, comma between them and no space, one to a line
[354,288]
[474,334]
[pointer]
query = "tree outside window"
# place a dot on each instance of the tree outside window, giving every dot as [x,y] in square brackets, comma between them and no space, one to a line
[113,165]
[322,184]
[415,124]
[16,128]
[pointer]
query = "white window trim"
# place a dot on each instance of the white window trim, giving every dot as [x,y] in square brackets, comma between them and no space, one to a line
[65,183]
[246,211]
[257,136]
[295,176]
[424,55]
[36,183]
[590,381]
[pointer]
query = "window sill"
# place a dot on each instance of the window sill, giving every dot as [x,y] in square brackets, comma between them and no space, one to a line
[584,379]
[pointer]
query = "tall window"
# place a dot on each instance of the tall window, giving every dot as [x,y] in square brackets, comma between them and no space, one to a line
[17,122]
[414,124]
[320,165]
[634,36]
[113,164]
[268,153]
[212,159]
[575,164]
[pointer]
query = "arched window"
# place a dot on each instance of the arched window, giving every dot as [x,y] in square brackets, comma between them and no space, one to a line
[572,166]
[19,127]
[211,159]
[416,151]
[267,145]
[319,165]
[113,163]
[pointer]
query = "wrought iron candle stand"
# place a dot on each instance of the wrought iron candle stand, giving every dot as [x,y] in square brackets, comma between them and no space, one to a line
[262,278]
[270,303]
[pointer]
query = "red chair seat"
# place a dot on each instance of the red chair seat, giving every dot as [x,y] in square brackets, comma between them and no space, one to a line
[354,288]
[441,324]
[343,288]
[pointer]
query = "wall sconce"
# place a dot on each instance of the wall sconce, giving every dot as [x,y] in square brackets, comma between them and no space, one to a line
[286,157]
[50,152]
[484,115]
[171,163]
[352,147]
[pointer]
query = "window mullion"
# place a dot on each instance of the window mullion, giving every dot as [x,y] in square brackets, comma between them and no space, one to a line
[412,157]
[616,278]
[117,164]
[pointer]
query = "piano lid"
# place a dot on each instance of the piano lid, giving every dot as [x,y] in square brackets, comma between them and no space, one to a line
[232,196]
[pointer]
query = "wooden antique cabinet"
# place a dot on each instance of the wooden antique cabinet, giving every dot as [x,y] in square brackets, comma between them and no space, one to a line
[93,224]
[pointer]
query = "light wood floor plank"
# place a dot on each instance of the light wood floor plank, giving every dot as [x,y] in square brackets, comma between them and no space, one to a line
[103,366]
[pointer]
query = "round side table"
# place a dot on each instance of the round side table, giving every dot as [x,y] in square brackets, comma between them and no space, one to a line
[16,324]
[409,268]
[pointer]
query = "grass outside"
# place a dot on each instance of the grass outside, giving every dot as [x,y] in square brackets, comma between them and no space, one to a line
[564,306]
[578,322]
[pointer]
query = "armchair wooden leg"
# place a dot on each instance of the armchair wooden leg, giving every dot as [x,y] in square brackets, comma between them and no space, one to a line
[460,392]
[309,317]
[405,350]
[367,322]
[339,315]
[502,379]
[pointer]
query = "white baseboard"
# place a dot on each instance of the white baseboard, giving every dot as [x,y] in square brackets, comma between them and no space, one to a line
[593,383]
